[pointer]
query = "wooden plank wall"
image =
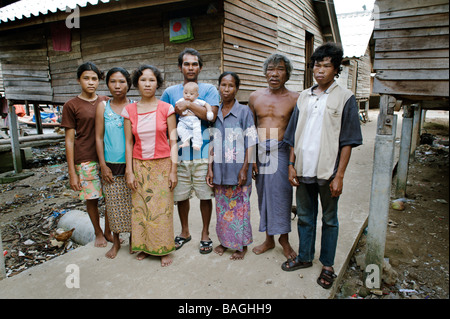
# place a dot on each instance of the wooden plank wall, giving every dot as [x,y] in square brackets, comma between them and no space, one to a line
[412,48]
[255,29]
[207,40]
[63,69]
[25,69]
[127,39]
[238,37]
[296,17]
[131,39]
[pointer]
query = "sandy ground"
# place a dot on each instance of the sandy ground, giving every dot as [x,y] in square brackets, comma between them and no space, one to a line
[417,240]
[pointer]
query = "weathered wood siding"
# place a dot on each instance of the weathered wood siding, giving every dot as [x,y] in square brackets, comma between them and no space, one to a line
[25,68]
[235,35]
[33,71]
[63,69]
[295,18]
[255,29]
[412,48]
[131,39]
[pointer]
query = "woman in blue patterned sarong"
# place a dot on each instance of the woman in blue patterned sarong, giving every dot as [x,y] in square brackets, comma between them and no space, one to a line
[229,172]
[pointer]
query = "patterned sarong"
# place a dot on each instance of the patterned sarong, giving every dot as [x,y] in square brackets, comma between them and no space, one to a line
[152,208]
[118,205]
[233,216]
[273,187]
[89,175]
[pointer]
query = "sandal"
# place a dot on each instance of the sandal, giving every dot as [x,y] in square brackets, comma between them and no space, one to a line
[206,246]
[328,276]
[291,265]
[180,241]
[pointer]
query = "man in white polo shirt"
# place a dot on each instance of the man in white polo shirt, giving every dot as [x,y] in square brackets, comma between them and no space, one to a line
[323,129]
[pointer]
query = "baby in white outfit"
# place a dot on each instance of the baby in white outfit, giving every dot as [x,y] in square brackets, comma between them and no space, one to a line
[189,125]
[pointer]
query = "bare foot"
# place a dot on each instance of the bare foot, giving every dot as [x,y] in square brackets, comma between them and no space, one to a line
[112,253]
[220,250]
[141,255]
[100,241]
[239,255]
[288,252]
[166,261]
[265,246]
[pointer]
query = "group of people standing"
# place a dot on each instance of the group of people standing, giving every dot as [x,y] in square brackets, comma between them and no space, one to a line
[128,151]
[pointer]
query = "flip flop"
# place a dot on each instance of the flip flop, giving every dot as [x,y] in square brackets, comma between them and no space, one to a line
[291,265]
[180,241]
[206,246]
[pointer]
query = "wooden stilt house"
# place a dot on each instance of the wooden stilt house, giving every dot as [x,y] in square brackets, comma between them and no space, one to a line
[412,70]
[42,43]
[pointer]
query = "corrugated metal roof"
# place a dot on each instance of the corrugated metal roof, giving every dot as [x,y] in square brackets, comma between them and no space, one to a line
[26,8]
[356,29]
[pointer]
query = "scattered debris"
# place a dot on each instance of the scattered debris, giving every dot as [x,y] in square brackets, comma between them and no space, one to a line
[28,241]
[417,242]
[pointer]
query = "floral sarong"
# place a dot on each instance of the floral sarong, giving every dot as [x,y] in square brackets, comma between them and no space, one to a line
[152,208]
[233,216]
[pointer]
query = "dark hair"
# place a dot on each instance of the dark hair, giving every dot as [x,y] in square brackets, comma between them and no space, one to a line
[237,80]
[191,52]
[138,73]
[89,66]
[276,59]
[124,73]
[329,50]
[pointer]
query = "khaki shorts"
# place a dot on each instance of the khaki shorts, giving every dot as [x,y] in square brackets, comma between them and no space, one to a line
[91,185]
[192,177]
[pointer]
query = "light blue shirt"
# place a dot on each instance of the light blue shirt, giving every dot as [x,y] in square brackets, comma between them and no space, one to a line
[114,137]
[209,94]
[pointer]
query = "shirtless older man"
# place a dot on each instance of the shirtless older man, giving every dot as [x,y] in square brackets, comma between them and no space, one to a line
[272,108]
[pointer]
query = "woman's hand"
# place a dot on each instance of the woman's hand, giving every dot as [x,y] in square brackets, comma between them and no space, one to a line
[107,174]
[242,177]
[131,181]
[173,180]
[74,181]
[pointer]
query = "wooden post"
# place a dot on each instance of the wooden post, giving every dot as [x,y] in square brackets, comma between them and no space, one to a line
[381,184]
[37,117]
[405,146]
[15,144]
[415,135]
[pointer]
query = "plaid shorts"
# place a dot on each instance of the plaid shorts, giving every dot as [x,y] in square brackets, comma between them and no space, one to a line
[91,185]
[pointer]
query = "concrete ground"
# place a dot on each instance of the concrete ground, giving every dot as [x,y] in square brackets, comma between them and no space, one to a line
[196,276]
